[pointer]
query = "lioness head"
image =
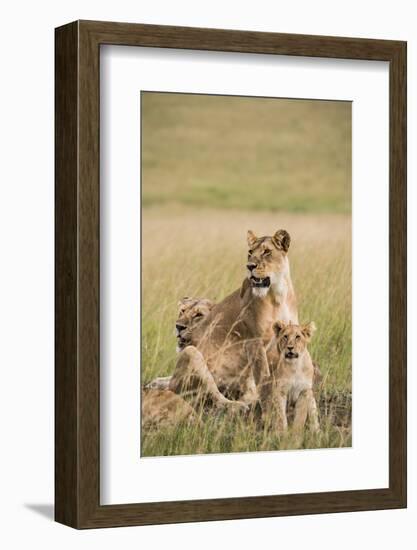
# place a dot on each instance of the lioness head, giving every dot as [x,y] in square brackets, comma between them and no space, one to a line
[292,340]
[267,260]
[190,312]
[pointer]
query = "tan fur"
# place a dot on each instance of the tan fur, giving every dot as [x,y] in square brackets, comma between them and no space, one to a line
[231,339]
[292,376]
[194,382]
[163,408]
[190,312]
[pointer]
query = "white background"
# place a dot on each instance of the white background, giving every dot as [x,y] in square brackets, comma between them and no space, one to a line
[26,286]
[124,477]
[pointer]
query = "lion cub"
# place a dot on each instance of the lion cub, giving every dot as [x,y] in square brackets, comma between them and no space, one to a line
[292,374]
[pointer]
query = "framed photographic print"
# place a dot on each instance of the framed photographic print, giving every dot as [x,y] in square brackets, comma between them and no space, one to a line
[230,274]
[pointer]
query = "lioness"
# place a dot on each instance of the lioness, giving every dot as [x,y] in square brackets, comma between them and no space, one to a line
[227,350]
[292,376]
[190,312]
[162,408]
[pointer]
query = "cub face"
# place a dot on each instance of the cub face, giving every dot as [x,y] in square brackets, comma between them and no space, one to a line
[190,312]
[267,260]
[292,340]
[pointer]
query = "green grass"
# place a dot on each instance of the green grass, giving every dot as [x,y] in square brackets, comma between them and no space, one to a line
[246,153]
[225,434]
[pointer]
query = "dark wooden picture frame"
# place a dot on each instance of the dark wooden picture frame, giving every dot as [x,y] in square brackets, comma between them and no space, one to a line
[77,360]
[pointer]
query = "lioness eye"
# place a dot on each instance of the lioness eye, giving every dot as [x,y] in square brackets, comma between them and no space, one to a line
[198,315]
[250,252]
[266,252]
[297,337]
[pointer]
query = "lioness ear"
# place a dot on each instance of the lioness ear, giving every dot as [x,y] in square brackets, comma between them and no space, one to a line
[278,326]
[282,239]
[252,238]
[308,330]
[183,301]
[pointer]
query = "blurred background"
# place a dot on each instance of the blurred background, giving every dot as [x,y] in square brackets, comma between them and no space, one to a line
[246,153]
[214,167]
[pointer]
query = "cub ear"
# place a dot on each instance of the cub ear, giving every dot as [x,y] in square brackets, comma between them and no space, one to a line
[308,330]
[282,240]
[278,326]
[251,238]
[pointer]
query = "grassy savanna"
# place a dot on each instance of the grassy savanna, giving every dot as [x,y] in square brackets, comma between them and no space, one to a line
[213,167]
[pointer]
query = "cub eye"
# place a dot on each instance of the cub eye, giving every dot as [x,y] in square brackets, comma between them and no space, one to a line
[285,337]
[198,315]
[297,337]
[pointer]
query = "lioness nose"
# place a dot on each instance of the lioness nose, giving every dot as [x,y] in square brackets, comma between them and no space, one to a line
[290,348]
[251,267]
[180,328]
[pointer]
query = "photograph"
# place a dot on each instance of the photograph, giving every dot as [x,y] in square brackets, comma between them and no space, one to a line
[208,274]
[246,287]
